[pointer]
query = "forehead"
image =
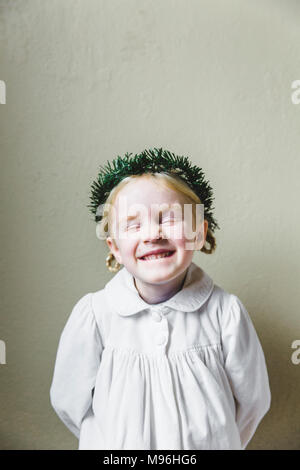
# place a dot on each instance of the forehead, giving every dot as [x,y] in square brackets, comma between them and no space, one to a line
[147,192]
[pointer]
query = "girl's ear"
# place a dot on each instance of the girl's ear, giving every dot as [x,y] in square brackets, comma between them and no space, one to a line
[114,249]
[201,237]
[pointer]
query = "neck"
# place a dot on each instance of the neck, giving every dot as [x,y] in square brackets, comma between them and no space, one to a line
[157,293]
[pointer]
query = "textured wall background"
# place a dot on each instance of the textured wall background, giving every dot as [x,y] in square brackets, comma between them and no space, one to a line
[88,80]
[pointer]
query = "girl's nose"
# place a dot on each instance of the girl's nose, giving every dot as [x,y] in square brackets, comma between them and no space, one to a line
[152,232]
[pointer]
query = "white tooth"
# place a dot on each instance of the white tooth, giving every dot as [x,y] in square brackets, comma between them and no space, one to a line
[161,255]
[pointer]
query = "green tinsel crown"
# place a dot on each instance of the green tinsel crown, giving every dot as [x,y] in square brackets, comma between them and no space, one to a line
[152,161]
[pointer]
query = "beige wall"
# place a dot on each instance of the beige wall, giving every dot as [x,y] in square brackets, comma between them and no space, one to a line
[88,80]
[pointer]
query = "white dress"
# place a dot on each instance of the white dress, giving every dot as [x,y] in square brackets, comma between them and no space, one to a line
[188,373]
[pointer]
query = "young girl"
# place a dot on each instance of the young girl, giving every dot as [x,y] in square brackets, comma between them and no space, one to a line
[161,357]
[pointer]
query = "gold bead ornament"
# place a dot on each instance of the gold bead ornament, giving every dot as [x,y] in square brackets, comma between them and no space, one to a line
[109,266]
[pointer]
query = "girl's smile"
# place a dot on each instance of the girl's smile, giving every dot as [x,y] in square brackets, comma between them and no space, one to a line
[157,254]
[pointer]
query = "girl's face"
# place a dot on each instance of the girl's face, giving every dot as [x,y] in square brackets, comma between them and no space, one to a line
[148,217]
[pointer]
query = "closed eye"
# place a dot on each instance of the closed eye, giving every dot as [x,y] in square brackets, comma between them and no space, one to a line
[166,220]
[171,218]
[133,226]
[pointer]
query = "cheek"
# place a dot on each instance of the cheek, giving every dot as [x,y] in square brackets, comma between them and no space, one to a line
[174,232]
[180,234]
[184,246]
[127,249]
[185,243]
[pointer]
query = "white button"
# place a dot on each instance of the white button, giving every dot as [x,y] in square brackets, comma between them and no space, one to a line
[156,316]
[161,339]
[165,309]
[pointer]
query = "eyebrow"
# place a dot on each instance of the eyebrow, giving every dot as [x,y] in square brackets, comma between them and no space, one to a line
[130,217]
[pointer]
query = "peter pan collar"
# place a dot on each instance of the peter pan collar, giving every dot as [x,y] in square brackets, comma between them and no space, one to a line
[123,297]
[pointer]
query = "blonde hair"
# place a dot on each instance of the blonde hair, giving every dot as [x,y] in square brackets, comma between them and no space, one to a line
[172,182]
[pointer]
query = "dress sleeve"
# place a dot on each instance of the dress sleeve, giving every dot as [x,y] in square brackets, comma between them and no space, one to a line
[246,369]
[77,362]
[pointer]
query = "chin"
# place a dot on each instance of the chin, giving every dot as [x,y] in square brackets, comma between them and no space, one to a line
[156,277]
